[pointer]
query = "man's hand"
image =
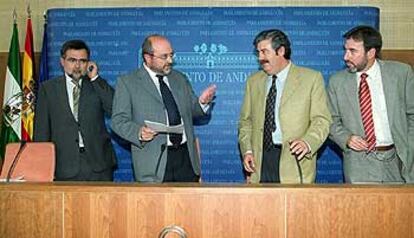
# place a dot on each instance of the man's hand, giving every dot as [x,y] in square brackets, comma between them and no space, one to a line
[299,148]
[208,94]
[92,70]
[357,143]
[146,134]
[248,162]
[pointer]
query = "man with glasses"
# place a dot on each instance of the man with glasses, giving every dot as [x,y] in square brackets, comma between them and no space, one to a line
[157,93]
[70,113]
[372,106]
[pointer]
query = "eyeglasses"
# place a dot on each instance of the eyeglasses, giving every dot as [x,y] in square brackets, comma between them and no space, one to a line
[164,56]
[77,61]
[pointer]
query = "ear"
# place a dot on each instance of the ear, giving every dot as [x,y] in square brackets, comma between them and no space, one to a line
[371,53]
[147,58]
[62,61]
[281,51]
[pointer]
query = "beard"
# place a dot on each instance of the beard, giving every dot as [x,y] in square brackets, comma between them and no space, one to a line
[164,70]
[353,68]
[77,74]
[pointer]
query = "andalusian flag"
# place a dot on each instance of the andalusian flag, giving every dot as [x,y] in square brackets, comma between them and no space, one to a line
[28,85]
[12,100]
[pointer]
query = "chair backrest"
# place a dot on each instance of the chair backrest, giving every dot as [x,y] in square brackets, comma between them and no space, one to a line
[36,162]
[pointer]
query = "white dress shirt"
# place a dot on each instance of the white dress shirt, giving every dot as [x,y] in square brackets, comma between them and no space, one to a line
[379,107]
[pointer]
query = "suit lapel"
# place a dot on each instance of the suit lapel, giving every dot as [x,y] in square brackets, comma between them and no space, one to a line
[177,93]
[84,99]
[145,81]
[351,90]
[390,95]
[62,96]
[291,85]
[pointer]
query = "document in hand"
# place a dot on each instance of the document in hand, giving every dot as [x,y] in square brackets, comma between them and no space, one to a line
[162,128]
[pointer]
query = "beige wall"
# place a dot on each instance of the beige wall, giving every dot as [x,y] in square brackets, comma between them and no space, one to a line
[397,16]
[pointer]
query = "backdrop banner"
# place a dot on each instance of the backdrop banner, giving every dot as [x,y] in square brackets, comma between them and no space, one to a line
[213,46]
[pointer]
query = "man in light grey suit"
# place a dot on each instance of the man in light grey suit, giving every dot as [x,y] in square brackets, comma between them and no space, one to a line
[155,92]
[372,106]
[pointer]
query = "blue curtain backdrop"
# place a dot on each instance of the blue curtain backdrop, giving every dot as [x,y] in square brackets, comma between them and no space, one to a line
[213,45]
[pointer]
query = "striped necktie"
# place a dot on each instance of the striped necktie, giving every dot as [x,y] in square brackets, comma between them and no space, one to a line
[76,96]
[366,112]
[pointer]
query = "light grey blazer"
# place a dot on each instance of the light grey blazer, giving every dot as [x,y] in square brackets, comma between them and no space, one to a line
[137,99]
[398,84]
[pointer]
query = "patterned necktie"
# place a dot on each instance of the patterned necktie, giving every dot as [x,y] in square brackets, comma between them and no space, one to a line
[366,112]
[75,95]
[269,124]
[174,117]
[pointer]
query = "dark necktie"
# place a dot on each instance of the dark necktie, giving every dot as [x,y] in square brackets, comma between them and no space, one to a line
[174,117]
[366,112]
[269,124]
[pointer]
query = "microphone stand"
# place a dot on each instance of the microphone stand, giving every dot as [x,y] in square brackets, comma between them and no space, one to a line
[15,160]
[163,147]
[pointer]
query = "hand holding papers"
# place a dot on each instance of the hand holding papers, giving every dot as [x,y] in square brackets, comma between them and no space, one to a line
[162,128]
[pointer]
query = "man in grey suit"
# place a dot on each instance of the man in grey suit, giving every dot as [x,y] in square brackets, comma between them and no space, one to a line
[70,112]
[158,93]
[372,106]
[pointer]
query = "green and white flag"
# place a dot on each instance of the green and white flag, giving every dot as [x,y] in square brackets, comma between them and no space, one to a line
[13,96]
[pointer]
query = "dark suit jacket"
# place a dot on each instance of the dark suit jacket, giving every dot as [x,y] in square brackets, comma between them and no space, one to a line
[137,99]
[54,122]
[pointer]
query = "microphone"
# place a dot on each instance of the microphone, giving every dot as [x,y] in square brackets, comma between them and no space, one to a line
[163,147]
[15,160]
[299,170]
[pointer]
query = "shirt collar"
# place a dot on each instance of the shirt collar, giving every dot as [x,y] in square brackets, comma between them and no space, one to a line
[151,73]
[372,71]
[69,79]
[282,75]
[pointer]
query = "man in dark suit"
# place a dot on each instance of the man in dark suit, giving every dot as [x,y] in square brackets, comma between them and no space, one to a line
[372,106]
[157,93]
[70,113]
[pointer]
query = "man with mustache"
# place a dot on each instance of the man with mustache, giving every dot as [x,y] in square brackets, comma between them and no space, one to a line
[284,117]
[372,106]
[70,113]
[158,93]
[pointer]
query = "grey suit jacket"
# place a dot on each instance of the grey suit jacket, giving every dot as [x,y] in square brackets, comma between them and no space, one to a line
[54,122]
[398,84]
[137,99]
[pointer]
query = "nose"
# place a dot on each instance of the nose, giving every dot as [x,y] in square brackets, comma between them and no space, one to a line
[346,56]
[170,59]
[260,55]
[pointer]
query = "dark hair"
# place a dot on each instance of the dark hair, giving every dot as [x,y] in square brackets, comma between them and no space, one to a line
[369,36]
[74,45]
[147,44]
[278,39]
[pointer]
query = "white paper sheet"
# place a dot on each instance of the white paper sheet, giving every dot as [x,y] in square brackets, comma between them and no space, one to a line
[162,128]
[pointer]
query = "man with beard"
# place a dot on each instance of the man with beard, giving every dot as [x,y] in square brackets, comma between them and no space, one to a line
[284,118]
[372,106]
[156,92]
[70,113]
